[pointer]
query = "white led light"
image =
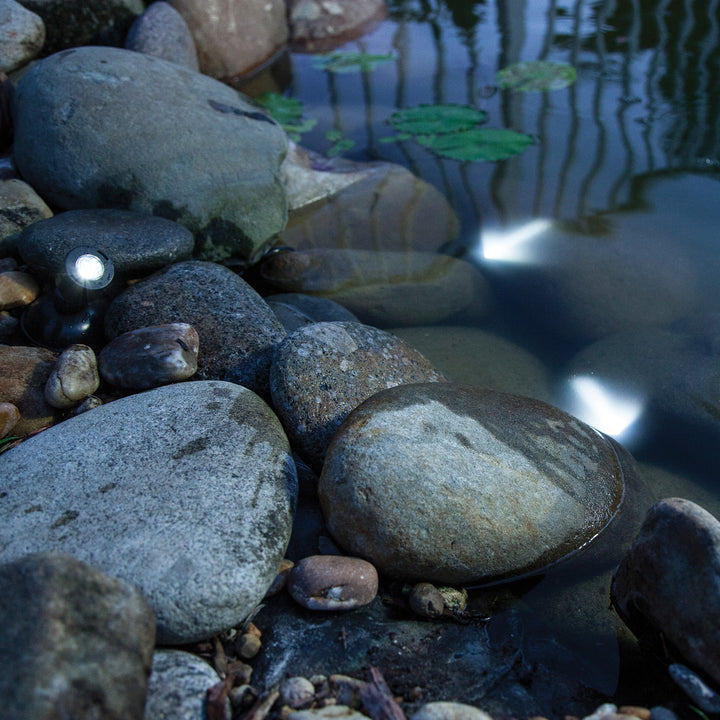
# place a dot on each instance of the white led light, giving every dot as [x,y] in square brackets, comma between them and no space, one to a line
[517,244]
[89,267]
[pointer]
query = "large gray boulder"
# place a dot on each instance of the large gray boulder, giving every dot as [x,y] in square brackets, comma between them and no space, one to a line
[459,484]
[105,127]
[74,643]
[187,491]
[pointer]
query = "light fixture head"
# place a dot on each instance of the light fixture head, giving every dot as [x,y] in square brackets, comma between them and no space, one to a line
[89,268]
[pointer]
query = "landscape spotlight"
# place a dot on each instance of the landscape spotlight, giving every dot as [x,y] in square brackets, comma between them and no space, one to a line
[74,312]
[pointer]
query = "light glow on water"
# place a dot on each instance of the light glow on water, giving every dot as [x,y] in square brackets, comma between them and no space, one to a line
[609,409]
[515,245]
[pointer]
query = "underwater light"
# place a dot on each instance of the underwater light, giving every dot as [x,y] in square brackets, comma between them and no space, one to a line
[514,244]
[73,312]
[610,410]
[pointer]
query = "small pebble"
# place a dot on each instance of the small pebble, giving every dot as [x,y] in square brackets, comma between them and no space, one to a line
[333,582]
[455,598]
[242,697]
[89,403]
[9,417]
[151,356]
[297,692]
[248,645]
[425,600]
[281,578]
[639,712]
[74,377]
[17,289]
[449,711]
[346,690]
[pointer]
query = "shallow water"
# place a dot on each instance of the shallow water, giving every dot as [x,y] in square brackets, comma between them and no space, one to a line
[599,239]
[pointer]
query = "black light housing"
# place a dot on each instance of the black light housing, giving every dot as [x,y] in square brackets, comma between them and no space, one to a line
[74,312]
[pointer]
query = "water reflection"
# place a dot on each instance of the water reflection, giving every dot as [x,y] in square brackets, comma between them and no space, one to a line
[518,244]
[607,407]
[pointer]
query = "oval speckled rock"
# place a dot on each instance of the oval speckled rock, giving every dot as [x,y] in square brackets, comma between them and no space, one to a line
[237,329]
[323,371]
[333,582]
[187,491]
[9,416]
[74,377]
[460,484]
[151,356]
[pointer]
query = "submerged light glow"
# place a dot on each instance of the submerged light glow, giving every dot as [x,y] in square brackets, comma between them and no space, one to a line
[517,244]
[609,409]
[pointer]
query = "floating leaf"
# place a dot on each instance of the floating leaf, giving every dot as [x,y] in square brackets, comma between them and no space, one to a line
[288,112]
[478,144]
[433,119]
[340,143]
[350,62]
[536,76]
[333,135]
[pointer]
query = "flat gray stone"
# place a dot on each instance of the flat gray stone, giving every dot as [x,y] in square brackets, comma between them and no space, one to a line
[178,686]
[459,484]
[187,491]
[74,643]
[137,243]
[237,330]
[72,114]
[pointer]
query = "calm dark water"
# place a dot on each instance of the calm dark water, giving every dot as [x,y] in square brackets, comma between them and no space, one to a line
[600,240]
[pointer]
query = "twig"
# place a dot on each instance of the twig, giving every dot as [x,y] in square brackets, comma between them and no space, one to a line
[378,700]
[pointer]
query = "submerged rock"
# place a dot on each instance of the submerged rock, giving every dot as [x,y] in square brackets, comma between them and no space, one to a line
[381,288]
[460,484]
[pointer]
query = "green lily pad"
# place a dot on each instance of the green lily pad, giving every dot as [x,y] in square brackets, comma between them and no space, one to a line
[350,62]
[288,112]
[478,144]
[433,119]
[536,76]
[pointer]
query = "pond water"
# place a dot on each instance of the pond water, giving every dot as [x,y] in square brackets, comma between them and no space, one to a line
[599,239]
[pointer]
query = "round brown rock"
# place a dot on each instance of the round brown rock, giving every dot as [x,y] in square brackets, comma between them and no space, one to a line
[458,484]
[74,377]
[9,416]
[333,582]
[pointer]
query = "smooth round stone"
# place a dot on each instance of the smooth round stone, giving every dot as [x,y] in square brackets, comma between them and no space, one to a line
[17,289]
[237,329]
[426,600]
[476,357]
[323,371]
[333,582]
[74,377]
[152,356]
[136,243]
[233,38]
[178,686]
[22,34]
[667,587]
[22,207]
[75,642]
[25,370]
[460,484]
[296,692]
[161,31]
[295,310]
[72,112]
[449,711]
[382,288]
[336,203]
[186,491]
[9,417]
